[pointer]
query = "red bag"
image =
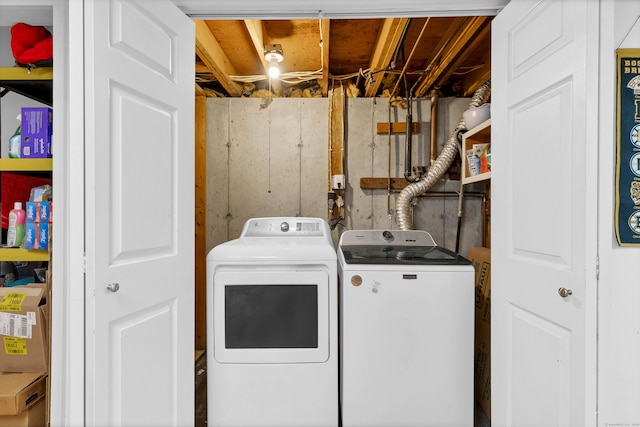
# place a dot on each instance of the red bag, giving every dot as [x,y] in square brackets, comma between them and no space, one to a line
[31,45]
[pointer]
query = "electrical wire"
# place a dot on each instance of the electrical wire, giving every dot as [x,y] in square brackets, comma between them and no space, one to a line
[467,70]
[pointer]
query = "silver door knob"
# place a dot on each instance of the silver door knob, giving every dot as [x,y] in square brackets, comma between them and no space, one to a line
[564,292]
[113,287]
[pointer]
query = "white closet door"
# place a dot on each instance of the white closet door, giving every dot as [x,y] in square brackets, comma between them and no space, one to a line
[139,70]
[543,206]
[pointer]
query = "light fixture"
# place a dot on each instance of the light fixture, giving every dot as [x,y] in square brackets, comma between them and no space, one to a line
[273,55]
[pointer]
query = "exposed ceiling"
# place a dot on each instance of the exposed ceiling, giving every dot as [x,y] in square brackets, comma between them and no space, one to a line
[371,57]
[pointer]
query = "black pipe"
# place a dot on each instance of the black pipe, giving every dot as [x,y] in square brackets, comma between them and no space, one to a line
[407,150]
[458,235]
[408,174]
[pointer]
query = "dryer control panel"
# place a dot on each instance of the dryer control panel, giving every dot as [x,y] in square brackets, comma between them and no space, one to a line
[286,226]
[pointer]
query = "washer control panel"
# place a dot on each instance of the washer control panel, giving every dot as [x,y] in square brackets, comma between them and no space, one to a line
[387,237]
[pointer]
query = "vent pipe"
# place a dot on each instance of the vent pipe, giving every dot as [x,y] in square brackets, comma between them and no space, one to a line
[439,166]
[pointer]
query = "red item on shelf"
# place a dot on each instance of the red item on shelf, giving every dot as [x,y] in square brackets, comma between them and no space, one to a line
[31,45]
[16,187]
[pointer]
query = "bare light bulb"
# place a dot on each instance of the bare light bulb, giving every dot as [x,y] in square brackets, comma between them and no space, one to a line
[274,71]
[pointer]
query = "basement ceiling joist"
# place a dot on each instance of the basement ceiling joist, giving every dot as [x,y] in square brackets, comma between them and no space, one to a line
[449,54]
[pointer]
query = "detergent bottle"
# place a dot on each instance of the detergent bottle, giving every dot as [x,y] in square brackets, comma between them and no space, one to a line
[15,142]
[15,232]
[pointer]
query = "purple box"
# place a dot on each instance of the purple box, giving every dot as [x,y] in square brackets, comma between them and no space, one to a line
[36,130]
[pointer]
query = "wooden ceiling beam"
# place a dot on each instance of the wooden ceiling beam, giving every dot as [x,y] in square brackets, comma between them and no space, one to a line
[259,37]
[201,68]
[383,51]
[256,32]
[325,33]
[450,51]
[473,80]
[210,52]
[200,91]
[477,38]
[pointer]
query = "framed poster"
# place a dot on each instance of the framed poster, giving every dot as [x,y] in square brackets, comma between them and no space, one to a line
[627,214]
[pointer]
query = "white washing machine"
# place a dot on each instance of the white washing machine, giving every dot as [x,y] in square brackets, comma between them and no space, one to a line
[272,326]
[407,331]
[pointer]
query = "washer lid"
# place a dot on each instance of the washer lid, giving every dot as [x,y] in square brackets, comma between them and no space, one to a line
[410,247]
[401,254]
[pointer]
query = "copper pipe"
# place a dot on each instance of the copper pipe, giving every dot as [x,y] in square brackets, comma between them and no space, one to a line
[434,126]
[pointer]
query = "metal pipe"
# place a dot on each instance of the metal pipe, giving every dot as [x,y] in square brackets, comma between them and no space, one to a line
[434,126]
[389,158]
[408,146]
[400,45]
[474,194]
[460,198]
[439,167]
[406,65]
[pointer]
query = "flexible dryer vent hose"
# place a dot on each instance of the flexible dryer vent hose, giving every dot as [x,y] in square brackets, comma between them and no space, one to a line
[439,166]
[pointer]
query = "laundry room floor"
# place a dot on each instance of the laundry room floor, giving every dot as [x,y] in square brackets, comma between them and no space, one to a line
[201,391]
[481,419]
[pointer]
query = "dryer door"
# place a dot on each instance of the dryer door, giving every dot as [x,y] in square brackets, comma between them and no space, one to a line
[271,317]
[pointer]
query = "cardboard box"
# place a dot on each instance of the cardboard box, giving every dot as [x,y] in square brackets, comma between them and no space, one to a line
[481,260]
[24,331]
[35,416]
[20,391]
[36,130]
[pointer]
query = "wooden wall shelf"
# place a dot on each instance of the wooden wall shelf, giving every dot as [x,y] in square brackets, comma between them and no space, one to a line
[480,134]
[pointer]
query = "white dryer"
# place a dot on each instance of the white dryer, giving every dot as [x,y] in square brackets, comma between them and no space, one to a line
[407,331]
[272,334]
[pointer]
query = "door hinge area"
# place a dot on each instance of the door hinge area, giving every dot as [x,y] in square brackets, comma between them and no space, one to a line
[597,268]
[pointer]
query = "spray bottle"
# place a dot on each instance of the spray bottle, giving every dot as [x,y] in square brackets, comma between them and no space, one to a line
[15,232]
[15,141]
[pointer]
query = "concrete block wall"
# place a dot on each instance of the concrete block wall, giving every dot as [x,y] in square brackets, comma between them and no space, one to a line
[273,161]
[264,162]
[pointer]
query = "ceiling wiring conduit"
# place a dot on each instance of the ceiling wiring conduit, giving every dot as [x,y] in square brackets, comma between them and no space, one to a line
[438,167]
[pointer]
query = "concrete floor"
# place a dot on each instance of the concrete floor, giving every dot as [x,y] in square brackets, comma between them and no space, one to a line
[201,391]
[481,419]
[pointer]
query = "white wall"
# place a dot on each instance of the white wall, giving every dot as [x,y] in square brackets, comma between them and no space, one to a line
[619,286]
[274,162]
